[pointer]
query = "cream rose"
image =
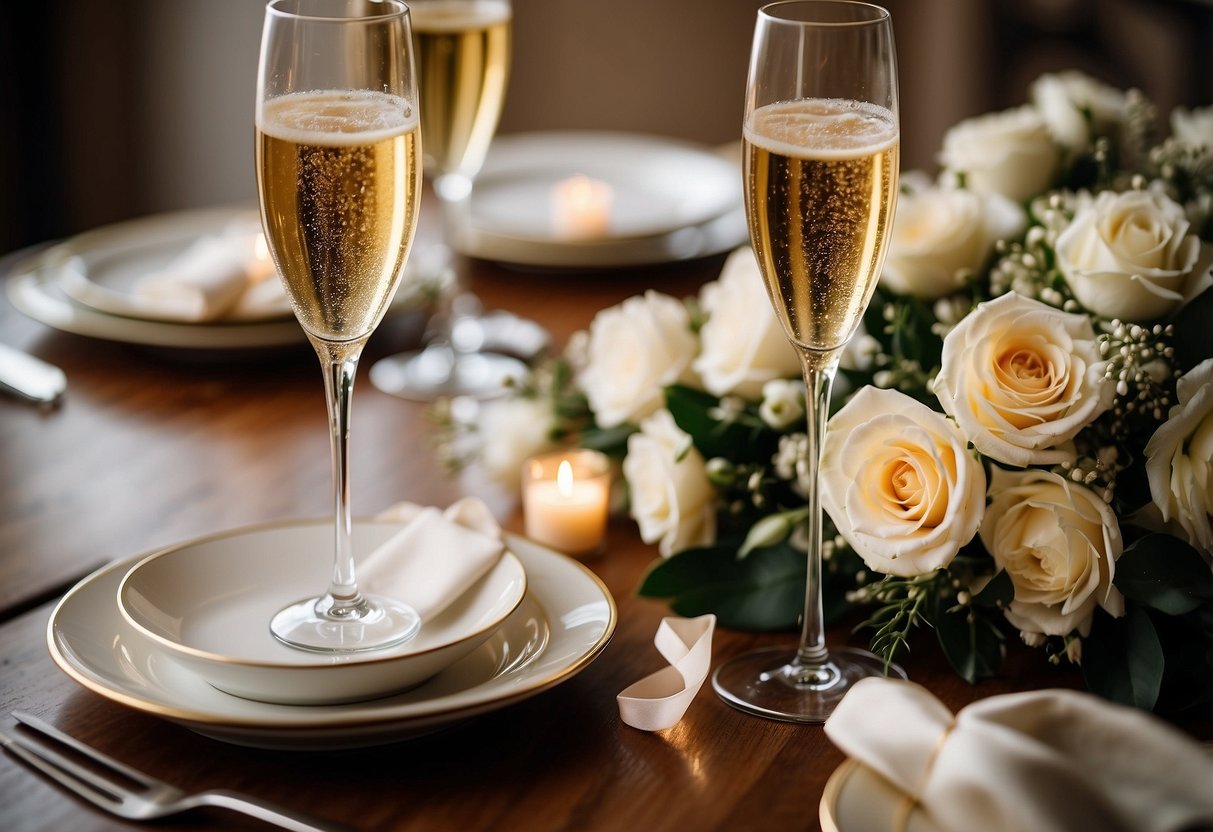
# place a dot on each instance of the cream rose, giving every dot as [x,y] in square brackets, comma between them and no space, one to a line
[1059,543]
[1179,459]
[939,235]
[743,346]
[671,499]
[513,430]
[900,483]
[1021,379]
[783,403]
[1009,153]
[1131,256]
[1076,106]
[635,350]
[1194,127]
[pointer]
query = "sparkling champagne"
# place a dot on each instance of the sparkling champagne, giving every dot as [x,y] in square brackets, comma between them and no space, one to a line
[821,181]
[340,180]
[463,58]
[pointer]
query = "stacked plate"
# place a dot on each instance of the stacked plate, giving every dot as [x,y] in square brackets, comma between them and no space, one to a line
[182,633]
[601,200]
[88,285]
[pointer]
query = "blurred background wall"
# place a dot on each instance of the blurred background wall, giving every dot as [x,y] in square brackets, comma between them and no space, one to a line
[118,108]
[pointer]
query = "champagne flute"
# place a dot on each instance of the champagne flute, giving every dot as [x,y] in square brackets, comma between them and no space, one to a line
[821,141]
[339,179]
[463,57]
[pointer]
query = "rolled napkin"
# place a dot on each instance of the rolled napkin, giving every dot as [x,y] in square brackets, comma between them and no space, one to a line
[218,276]
[436,557]
[1048,761]
[660,699]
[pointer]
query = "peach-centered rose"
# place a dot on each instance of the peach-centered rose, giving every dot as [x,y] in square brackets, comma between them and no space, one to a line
[899,482]
[1021,379]
[1179,459]
[1059,543]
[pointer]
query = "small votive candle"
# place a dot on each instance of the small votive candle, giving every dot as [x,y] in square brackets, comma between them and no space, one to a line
[565,497]
[581,207]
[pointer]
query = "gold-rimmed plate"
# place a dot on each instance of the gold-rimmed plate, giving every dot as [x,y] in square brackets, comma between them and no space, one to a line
[564,622]
[857,799]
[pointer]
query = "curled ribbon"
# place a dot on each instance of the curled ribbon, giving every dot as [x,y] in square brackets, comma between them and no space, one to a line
[660,699]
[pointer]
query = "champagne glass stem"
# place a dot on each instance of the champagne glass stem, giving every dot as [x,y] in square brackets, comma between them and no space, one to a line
[818,380]
[340,362]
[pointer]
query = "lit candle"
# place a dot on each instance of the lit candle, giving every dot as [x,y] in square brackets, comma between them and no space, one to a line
[581,207]
[261,266]
[564,498]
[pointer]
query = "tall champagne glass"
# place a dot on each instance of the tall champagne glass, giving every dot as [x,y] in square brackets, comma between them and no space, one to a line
[821,142]
[463,61]
[339,179]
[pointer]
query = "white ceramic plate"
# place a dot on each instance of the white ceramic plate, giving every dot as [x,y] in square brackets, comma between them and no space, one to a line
[563,623]
[671,201]
[209,603]
[42,286]
[857,799]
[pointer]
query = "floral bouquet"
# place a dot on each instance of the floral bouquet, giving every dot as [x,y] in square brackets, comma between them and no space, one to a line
[1022,437]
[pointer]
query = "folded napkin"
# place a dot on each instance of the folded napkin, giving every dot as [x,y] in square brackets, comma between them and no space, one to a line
[436,557]
[218,276]
[660,699]
[1048,761]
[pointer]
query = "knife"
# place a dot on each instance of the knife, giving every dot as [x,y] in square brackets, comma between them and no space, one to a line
[30,378]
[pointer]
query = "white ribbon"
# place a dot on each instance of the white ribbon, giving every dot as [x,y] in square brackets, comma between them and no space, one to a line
[659,700]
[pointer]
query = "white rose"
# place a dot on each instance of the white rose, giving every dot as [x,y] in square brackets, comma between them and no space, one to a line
[635,350]
[783,403]
[900,483]
[1179,459]
[1075,106]
[671,499]
[1058,542]
[743,345]
[939,235]
[1021,379]
[1131,256]
[1194,127]
[513,430]
[1009,153]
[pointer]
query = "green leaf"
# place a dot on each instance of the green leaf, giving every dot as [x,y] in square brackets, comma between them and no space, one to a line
[693,412]
[999,592]
[765,591]
[1122,658]
[611,441]
[1193,335]
[971,642]
[1165,573]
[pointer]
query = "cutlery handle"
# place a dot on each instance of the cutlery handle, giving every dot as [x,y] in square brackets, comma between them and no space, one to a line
[30,378]
[268,812]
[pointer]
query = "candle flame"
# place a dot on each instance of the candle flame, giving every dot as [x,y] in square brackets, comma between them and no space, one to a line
[564,479]
[261,249]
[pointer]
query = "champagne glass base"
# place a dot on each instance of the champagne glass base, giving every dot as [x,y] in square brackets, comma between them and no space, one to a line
[772,683]
[373,624]
[436,372]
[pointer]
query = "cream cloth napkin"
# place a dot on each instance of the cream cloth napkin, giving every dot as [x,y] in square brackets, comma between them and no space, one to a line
[660,699]
[436,557]
[1046,761]
[218,276]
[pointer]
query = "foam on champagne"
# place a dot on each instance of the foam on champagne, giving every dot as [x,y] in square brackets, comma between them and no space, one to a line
[335,118]
[826,128]
[458,15]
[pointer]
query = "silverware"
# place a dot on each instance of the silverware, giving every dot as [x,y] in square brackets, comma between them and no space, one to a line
[30,378]
[57,755]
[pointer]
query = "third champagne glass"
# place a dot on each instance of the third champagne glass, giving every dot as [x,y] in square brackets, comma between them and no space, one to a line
[339,179]
[821,140]
[463,57]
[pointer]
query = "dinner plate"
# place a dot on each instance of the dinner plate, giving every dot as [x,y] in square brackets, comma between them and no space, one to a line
[857,799]
[42,286]
[209,604]
[670,200]
[563,623]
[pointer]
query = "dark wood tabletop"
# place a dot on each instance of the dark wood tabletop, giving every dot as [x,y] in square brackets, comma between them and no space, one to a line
[150,447]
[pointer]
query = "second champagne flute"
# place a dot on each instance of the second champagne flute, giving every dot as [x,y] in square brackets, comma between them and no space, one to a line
[339,179]
[821,139]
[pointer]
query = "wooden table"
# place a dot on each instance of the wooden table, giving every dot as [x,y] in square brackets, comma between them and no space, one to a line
[150,448]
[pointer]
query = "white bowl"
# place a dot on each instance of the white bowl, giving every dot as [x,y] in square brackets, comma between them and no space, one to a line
[209,602]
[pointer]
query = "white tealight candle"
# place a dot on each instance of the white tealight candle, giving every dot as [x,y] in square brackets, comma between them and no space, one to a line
[581,207]
[565,498]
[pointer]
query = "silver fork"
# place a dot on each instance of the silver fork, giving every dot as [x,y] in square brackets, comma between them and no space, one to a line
[148,799]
